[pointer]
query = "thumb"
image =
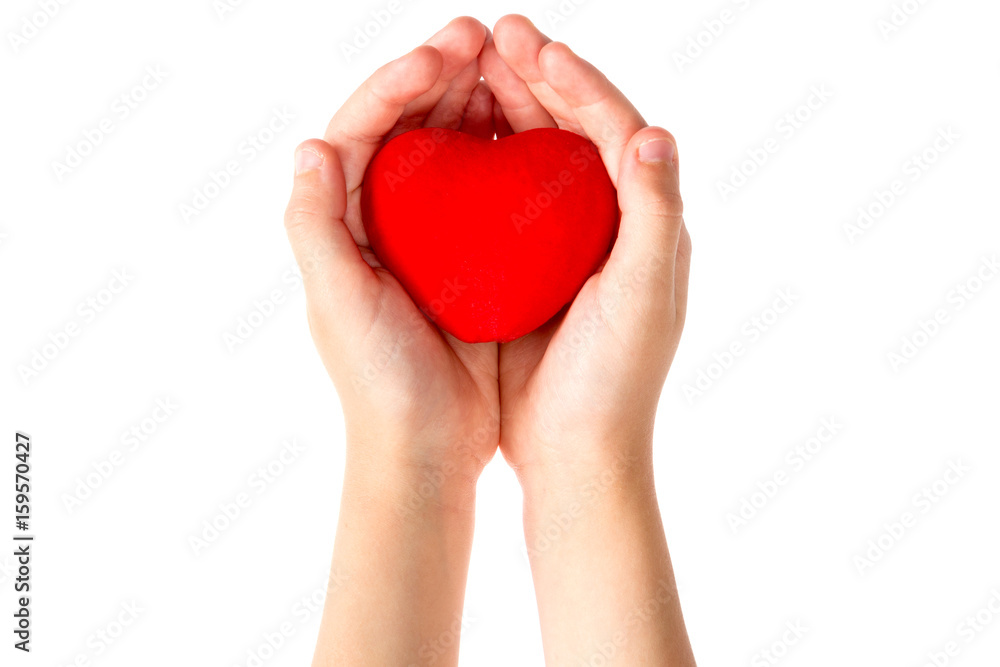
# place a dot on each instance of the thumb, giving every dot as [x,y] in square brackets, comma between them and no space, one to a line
[324,248]
[652,210]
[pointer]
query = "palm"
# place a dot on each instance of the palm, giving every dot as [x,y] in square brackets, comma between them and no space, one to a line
[426,375]
[575,370]
[557,378]
[543,393]
[435,376]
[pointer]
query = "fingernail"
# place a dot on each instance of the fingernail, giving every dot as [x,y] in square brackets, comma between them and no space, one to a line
[657,150]
[306,160]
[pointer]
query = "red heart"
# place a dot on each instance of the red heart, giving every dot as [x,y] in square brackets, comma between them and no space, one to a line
[490,238]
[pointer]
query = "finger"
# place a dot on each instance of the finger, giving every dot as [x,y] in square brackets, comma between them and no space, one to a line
[500,121]
[399,101]
[605,115]
[652,210]
[324,248]
[459,43]
[478,119]
[450,109]
[358,128]
[406,88]
[521,109]
[682,273]
[518,43]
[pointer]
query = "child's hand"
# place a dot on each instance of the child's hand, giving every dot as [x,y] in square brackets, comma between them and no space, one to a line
[578,397]
[416,400]
[581,393]
[421,407]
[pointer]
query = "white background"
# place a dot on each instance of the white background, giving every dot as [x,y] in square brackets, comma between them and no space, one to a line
[784,229]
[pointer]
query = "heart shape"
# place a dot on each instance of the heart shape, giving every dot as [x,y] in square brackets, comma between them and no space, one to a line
[491,238]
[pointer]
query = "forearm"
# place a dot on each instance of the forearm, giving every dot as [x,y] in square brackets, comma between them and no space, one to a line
[602,571]
[400,561]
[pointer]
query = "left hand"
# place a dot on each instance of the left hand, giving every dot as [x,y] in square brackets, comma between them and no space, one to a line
[582,391]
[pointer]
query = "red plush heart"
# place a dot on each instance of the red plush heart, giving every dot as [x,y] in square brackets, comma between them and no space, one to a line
[490,238]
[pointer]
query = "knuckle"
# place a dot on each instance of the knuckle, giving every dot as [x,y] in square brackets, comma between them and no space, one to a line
[301,211]
[663,205]
[669,202]
[665,222]
[684,246]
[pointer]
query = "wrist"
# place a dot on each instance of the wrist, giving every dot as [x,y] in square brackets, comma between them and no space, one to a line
[583,467]
[447,451]
[570,498]
[562,521]
[407,486]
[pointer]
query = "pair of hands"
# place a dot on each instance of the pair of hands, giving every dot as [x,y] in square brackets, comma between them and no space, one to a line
[570,406]
[418,397]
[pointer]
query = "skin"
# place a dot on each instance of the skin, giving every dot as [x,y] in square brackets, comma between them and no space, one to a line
[570,406]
